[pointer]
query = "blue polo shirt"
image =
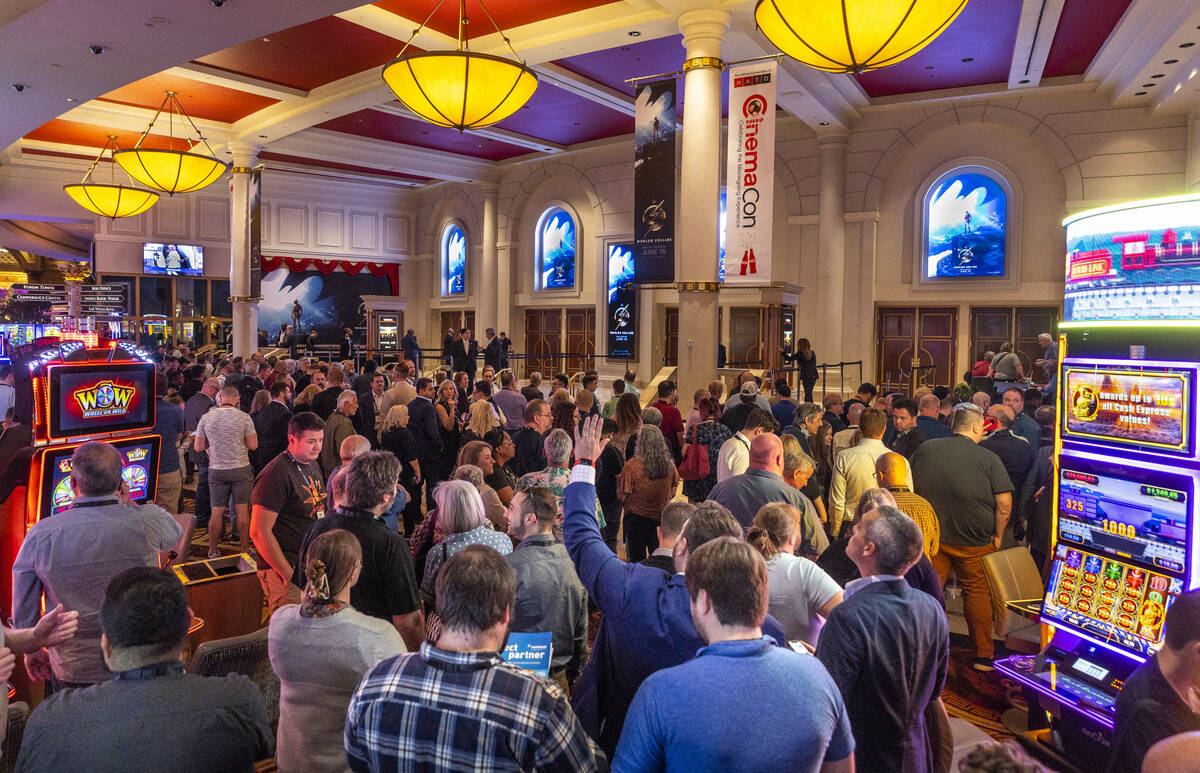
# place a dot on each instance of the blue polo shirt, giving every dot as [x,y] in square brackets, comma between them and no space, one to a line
[696,717]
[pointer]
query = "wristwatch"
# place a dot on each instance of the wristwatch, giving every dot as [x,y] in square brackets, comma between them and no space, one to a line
[588,462]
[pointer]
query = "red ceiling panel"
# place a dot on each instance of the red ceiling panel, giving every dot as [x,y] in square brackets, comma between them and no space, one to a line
[309,55]
[1082,30]
[200,100]
[90,135]
[507,13]
[393,128]
[983,33]
[268,156]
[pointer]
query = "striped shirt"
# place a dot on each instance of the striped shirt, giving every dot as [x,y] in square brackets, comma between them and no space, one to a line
[225,429]
[445,711]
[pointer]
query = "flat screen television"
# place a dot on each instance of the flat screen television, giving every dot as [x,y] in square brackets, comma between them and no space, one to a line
[139,469]
[173,259]
[1121,553]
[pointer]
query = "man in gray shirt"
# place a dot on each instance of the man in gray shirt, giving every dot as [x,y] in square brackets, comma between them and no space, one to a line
[549,594]
[228,435]
[763,482]
[70,557]
[510,401]
[152,716]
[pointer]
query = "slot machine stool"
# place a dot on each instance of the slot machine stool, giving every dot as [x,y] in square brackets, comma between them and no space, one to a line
[225,592]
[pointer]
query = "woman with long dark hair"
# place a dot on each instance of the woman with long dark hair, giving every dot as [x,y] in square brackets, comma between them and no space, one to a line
[712,434]
[629,420]
[645,486]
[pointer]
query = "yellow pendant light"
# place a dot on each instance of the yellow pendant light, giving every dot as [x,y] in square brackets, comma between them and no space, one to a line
[171,171]
[460,89]
[853,36]
[111,200]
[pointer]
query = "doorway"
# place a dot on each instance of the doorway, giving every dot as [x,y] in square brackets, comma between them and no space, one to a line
[916,347]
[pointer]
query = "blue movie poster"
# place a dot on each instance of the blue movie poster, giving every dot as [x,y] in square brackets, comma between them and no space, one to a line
[329,302]
[721,239]
[965,215]
[622,302]
[456,261]
[557,239]
[654,181]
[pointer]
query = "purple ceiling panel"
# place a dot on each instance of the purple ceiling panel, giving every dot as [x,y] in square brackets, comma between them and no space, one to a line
[560,116]
[408,131]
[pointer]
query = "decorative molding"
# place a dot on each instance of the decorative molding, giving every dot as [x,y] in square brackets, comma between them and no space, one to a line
[327,228]
[171,218]
[396,231]
[292,226]
[364,230]
[212,219]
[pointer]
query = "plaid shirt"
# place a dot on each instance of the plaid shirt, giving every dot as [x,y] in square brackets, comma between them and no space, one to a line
[462,711]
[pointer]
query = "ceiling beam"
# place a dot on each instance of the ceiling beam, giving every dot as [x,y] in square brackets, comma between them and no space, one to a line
[344,148]
[114,116]
[587,88]
[1035,34]
[215,76]
[395,26]
[503,135]
[1147,35]
[343,174]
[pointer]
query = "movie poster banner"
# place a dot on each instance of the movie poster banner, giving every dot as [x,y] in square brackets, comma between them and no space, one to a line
[750,174]
[1118,405]
[654,182]
[622,302]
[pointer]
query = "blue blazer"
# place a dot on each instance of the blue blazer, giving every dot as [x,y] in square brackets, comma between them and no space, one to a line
[646,625]
[423,424]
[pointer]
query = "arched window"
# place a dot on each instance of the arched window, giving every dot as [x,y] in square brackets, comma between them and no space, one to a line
[454,260]
[965,225]
[555,250]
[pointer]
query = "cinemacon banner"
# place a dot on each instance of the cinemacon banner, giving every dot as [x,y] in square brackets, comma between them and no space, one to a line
[750,177]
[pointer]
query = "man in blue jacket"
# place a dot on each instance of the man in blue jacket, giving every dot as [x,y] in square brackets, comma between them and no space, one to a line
[647,620]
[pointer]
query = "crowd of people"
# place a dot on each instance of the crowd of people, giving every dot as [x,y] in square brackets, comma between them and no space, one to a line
[768,575]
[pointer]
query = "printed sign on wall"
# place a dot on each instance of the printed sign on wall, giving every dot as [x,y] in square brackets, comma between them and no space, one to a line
[654,182]
[750,173]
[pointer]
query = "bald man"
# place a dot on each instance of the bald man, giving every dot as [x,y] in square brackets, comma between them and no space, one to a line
[763,482]
[891,469]
[1177,754]
[983,400]
[350,449]
[848,437]
[929,418]
[1017,455]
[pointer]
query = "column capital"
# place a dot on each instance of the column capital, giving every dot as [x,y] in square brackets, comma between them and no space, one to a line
[703,30]
[833,137]
[490,189]
[245,154]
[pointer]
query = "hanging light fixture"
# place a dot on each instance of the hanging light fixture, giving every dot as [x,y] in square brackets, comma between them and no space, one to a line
[460,89]
[171,171]
[853,36]
[111,200]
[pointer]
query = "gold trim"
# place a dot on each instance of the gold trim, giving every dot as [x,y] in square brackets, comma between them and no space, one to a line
[698,287]
[703,62]
[242,169]
[245,298]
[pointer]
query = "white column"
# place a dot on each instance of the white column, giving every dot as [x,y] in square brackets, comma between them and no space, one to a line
[487,288]
[831,251]
[1193,152]
[697,243]
[245,309]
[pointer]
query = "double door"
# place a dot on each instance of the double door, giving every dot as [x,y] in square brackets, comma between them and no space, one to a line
[915,347]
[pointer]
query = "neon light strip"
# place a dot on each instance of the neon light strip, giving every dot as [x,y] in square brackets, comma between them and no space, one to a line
[1127,323]
[1037,685]
[1130,205]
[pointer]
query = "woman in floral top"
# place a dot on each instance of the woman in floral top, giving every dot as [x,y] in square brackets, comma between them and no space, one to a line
[460,514]
[708,432]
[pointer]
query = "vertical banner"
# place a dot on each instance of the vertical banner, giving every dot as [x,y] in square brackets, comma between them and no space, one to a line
[750,175]
[654,182]
[622,302]
[254,197]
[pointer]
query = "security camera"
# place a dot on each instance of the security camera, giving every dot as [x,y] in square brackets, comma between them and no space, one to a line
[18,87]
[218,3]
[97,50]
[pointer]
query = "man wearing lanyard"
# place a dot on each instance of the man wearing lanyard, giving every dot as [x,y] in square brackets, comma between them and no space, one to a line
[288,496]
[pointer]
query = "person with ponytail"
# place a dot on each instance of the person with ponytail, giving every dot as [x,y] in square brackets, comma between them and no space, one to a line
[320,649]
[801,594]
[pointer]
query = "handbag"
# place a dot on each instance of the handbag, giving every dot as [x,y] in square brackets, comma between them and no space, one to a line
[695,461]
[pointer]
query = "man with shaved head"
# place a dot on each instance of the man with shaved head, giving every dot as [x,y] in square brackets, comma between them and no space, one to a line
[1016,453]
[848,437]
[929,418]
[972,495]
[983,400]
[763,482]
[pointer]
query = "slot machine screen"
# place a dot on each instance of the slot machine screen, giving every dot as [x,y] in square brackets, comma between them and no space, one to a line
[139,466]
[1121,553]
[1125,403]
[96,399]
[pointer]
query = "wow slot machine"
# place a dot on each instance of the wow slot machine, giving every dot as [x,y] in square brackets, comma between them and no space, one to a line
[1124,539]
[68,393]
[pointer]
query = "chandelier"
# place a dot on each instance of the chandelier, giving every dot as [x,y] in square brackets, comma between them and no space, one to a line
[111,200]
[169,170]
[853,36]
[460,89]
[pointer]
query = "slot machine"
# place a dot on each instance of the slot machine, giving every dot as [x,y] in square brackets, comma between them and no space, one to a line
[1125,538]
[67,393]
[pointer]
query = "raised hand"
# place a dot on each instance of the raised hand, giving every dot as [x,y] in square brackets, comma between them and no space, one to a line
[588,443]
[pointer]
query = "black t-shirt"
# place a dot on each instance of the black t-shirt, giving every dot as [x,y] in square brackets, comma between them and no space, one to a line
[295,491]
[1148,710]
[608,467]
[387,586]
[400,442]
[500,478]
[530,456]
[960,479]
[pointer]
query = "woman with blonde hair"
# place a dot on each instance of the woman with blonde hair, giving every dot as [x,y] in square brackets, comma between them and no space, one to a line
[801,594]
[481,420]
[645,487]
[304,399]
[261,398]
[395,437]
[320,649]
[477,455]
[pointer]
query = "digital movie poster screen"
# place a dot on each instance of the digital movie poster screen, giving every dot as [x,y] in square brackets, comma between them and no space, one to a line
[1139,262]
[622,302]
[96,399]
[139,464]
[328,302]
[1129,406]
[965,219]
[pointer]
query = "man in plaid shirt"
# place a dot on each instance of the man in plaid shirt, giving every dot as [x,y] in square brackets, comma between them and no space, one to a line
[458,706]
